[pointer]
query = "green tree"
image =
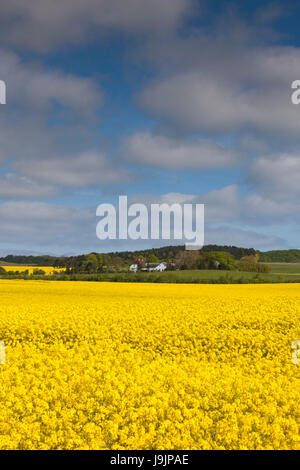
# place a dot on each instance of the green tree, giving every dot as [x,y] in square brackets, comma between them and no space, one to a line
[90,263]
[152,259]
[216,260]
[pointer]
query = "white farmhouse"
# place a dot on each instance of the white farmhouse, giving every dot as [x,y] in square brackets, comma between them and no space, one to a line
[133,267]
[156,266]
[149,267]
[138,263]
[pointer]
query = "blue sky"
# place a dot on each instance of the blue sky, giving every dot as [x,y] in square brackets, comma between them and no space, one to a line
[162,100]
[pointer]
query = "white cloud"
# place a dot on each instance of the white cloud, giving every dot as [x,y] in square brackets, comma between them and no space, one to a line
[18,187]
[224,204]
[41,158]
[230,216]
[47,224]
[61,229]
[276,176]
[229,206]
[169,153]
[44,25]
[198,102]
[31,86]
[223,235]
[226,78]
[47,112]
[227,81]
[79,171]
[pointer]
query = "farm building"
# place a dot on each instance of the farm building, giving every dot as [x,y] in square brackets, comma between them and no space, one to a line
[148,266]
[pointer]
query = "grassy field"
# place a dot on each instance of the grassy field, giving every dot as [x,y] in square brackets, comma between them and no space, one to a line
[214,275]
[285,268]
[204,276]
[280,272]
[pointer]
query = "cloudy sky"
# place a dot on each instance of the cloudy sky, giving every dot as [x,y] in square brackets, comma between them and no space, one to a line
[162,100]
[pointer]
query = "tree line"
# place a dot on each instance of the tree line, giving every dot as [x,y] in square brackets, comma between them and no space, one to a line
[177,258]
[118,261]
[124,257]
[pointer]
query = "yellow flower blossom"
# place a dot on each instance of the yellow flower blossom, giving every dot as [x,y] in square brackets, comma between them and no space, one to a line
[148,366]
[21,269]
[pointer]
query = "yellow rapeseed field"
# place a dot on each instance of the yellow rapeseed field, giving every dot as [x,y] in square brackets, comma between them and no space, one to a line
[31,269]
[148,366]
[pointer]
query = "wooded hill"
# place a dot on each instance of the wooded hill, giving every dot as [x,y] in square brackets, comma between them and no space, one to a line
[280,256]
[163,254]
